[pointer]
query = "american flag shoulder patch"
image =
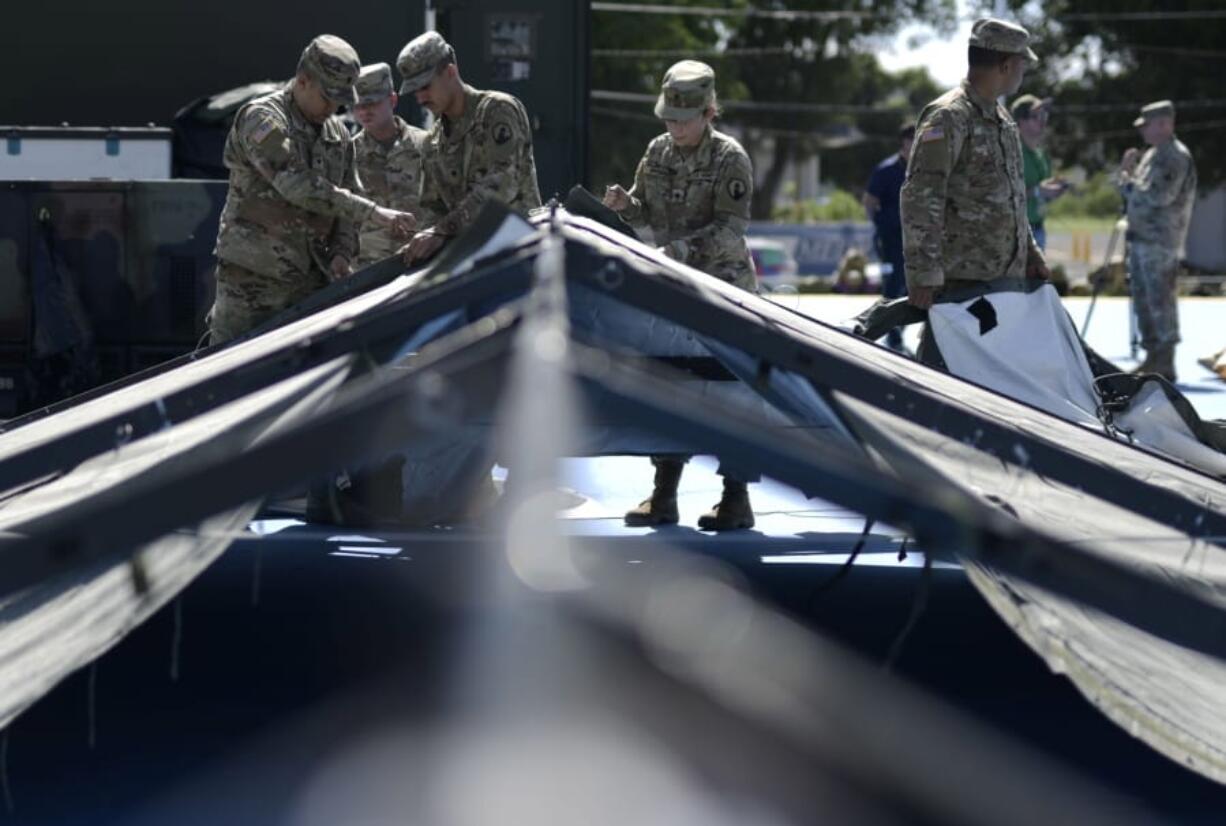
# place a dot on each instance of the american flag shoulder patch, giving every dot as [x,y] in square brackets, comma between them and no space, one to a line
[936,133]
[263,129]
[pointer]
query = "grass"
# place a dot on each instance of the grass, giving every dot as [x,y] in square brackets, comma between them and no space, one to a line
[1079,223]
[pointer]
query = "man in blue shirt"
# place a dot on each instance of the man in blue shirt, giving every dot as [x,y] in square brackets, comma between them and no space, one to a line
[881,205]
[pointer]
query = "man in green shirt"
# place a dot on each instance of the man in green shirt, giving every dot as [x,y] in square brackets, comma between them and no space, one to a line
[1030,113]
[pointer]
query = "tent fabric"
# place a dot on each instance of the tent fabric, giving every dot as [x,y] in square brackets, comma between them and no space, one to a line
[1022,345]
[1030,351]
[61,624]
[1154,421]
[1117,391]
[1164,694]
[869,370]
[211,367]
[1058,478]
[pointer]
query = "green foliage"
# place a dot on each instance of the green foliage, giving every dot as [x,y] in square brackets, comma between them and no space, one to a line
[1096,198]
[840,206]
[829,63]
[620,132]
[760,60]
[902,95]
[1101,66]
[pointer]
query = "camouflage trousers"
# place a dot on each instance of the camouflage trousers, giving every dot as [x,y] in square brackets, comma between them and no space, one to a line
[245,299]
[1152,269]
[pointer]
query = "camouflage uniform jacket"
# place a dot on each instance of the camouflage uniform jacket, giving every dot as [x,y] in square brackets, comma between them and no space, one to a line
[486,154]
[964,200]
[697,204]
[391,175]
[1160,193]
[292,204]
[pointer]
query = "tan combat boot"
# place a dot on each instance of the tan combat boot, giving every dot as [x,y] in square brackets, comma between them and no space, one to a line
[732,512]
[1210,362]
[661,507]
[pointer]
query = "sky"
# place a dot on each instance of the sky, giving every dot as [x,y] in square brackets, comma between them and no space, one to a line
[945,58]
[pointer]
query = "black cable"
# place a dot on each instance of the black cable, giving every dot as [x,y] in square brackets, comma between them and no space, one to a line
[830,581]
[918,605]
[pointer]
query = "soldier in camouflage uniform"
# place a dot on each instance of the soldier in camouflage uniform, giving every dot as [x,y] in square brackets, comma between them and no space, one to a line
[1159,189]
[693,188]
[389,160]
[695,193]
[290,222]
[964,200]
[479,148]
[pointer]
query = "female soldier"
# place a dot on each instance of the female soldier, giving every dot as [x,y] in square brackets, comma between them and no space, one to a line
[693,189]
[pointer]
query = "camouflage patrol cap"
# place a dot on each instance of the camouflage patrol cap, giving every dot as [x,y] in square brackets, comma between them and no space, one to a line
[374,83]
[421,59]
[1002,36]
[1157,109]
[334,64]
[688,89]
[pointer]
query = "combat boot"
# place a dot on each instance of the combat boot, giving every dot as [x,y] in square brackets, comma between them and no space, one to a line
[1161,361]
[661,507]
[1211,362]
[732,512]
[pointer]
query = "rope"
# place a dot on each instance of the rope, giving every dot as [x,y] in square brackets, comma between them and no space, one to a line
[918,606]
[830,581]
[4,772]
[91,704]
[176,640]
[256,567]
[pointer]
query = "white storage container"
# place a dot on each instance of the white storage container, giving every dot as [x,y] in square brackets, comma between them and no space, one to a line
[68,153]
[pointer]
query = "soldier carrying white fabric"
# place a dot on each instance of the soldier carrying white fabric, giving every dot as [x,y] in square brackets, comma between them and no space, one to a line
[964,201]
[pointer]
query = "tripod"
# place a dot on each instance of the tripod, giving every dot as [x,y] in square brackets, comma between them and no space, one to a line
[1119,231]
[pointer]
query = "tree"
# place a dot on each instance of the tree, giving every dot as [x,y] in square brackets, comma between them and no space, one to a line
[893,99]
[1103,59]
[829,74]
[630,53]
[792,83]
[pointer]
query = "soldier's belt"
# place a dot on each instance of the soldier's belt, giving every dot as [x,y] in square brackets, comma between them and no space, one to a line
[270,214]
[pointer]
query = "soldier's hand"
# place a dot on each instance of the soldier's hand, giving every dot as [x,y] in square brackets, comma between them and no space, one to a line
[423,245]
[340,268]
[401,224]
[1129,161]
[1053,188]
[616,198]
[921,296]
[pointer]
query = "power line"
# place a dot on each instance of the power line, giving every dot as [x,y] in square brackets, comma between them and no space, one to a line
[1209,14]
[856,108]
[1130,106]
[1195,126]
[755,106]
[670,53]
[622,114]
[1140,47]
[711,11]
[810,52]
